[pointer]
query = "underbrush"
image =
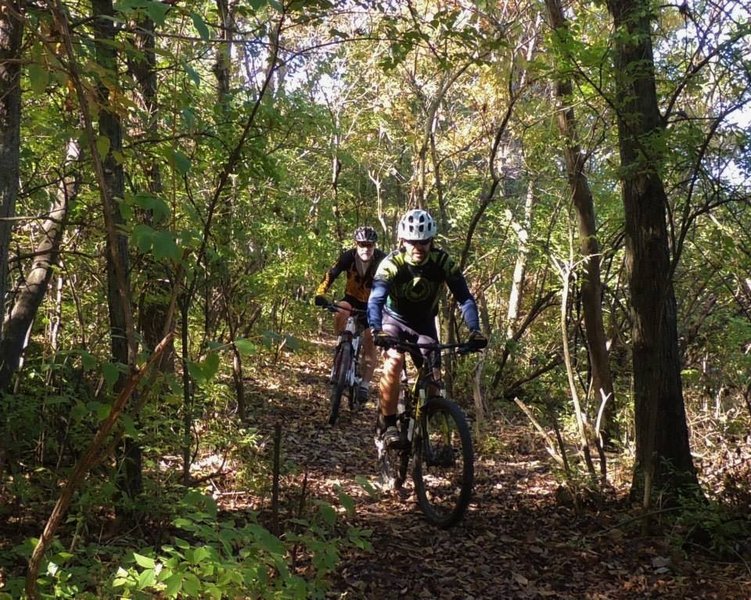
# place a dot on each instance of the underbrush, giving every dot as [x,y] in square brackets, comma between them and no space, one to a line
[204,554]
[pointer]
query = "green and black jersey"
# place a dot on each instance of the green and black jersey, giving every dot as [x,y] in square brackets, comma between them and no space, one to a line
[410,292]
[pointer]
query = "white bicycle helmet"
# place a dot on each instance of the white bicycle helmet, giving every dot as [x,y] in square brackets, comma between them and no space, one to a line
[417,224]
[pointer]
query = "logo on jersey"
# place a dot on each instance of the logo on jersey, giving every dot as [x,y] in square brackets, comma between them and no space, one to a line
[418,289]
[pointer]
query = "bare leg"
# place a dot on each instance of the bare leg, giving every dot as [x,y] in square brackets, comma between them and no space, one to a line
[390,381]
[340,316]
[369,356]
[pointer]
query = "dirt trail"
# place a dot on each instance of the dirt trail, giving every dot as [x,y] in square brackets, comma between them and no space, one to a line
[516,541]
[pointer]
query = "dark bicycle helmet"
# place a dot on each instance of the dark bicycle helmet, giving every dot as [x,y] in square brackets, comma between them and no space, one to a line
[366,234]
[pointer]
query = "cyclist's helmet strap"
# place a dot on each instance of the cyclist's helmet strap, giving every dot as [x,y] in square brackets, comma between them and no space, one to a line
[417,224]
[366,234]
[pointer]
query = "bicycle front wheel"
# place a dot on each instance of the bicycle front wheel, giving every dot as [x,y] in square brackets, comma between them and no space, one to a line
[342,359]
[443,462]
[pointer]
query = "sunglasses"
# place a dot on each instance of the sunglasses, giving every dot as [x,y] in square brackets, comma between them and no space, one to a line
[365,244]
[418,242]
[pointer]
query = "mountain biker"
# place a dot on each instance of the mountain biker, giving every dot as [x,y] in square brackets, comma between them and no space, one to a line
[403,305]
[360,264]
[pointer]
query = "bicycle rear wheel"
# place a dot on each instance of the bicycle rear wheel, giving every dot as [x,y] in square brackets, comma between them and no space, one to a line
[443,463]
[342,359]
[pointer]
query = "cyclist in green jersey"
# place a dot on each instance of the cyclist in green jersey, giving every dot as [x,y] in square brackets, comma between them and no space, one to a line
[403,305]
[360,264]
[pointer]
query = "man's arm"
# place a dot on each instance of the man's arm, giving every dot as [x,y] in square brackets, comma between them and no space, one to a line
[376,302]
[460,290]
[328,279]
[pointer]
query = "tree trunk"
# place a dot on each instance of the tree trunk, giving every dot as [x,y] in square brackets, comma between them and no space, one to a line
[11,36]
[520,267]
[589,247]
[663,458]
[34,288]
[129,479]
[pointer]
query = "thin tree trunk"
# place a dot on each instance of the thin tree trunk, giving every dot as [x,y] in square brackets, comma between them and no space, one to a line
[589,248]
[520,267]
[129,479]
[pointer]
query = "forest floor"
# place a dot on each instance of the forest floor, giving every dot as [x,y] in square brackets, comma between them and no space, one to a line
[520,538]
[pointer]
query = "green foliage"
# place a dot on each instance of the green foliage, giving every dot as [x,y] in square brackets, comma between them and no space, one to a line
[223,559]
[715,528]
[207,557]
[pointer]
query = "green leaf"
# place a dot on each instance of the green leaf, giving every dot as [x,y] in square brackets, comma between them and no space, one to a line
[129,426]
[200,26]
[191,584]
[291,342]
[173,584]
[111,372]
[328,513]
[146,579]
[365,484]
[159,209]
[38,78]
[347,502]
[102,411]
[157,11]
[245,347]
[102,145]
[211,365]
[143,237]
[88,361]
[164,245]
[181,162]
[144,561]
[192,74]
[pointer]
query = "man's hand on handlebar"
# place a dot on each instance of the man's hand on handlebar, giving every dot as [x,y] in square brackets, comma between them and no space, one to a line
[476,340]
[321,300]
[383,339]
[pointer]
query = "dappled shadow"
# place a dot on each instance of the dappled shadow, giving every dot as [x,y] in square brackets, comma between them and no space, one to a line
[518,540]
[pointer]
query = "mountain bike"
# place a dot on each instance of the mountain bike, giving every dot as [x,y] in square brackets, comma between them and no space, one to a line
[345,372]
[435,436]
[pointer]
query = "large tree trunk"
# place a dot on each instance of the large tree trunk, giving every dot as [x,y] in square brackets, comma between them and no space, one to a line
[663,458]
[32,291]
[589,247]
[11,35]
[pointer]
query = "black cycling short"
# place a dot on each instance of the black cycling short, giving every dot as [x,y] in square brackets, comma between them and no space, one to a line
[426,334]
[362,317]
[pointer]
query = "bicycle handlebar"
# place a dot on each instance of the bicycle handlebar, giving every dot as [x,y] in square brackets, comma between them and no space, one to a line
[334,307]
[460,347]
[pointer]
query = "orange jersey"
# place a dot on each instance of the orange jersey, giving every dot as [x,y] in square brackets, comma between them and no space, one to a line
[358,286]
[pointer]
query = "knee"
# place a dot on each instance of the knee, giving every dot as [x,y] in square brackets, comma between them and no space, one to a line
[392,365]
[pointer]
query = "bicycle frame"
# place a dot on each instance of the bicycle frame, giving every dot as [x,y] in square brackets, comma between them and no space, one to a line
[435,437]
[345,374]
[352,334]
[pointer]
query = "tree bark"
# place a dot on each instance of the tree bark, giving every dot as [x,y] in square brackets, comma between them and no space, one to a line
[129,479]
[589,247]
[663,458]
[11,36]
[34,288]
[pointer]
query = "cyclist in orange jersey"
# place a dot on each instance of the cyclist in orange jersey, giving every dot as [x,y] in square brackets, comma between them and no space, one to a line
[360,264]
